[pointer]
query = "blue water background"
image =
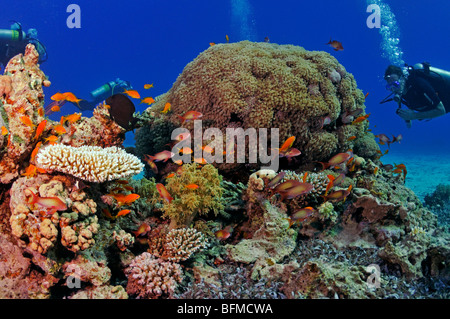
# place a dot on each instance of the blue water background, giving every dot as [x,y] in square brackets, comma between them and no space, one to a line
[151,42]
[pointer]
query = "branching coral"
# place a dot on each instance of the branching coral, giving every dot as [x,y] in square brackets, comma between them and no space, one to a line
[188,203]
[91,163]
[178,245]
[151,277]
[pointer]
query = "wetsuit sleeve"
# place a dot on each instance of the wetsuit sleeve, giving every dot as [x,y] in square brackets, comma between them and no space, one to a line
[428,91]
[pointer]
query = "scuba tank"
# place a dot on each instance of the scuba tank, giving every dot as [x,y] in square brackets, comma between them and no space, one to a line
[424,69]
[12,35]
[105,89]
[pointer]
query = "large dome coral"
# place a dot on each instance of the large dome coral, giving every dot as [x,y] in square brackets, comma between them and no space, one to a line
[265,85]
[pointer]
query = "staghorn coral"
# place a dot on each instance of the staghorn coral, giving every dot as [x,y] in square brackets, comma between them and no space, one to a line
[91,163]
[264,85]
[150,277]
[188,203]
[178,245]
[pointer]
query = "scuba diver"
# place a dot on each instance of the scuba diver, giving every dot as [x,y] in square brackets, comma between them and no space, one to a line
[14,41]
[424,89]
[102,93]
[97,96]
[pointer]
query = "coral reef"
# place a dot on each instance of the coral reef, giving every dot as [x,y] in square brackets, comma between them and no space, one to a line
[91,163]
[75,224]
[264,85]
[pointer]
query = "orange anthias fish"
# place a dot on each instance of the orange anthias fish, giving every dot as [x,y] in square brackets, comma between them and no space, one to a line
[365,96]
[148,100]
[227,38]
[30,171]
[148,86]
[222,234]
[336,45]
[4,130]
[167,107]
[336,160]
[70,97]
[142,230]
[133,93]
[55,108]
[123,212]
[192,186]
[298,190]
[72,118]
[51,139]
[302,214]
[40,129]
[338,196]
[161,156]
[124,199]
[190,116]
[59,129]
[164,193]
[47,202]
[287,144]
[27,121]
[276,179]
[58,97]
[360,119]
[49,108]
[35,151]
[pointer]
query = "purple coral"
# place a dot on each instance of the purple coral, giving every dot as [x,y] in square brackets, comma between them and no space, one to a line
[150,277]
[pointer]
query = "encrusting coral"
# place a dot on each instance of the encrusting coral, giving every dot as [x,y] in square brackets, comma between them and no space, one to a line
[90,163]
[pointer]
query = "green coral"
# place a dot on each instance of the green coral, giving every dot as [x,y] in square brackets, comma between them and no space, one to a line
[326,211]
[188,203]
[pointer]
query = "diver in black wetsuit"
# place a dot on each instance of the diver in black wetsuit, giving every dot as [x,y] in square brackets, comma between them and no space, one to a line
[425,90]
[14,41]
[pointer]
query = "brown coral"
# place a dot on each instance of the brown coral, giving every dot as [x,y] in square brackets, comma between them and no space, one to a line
[263,85]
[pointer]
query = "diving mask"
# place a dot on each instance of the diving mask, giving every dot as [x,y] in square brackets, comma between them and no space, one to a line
[393,86]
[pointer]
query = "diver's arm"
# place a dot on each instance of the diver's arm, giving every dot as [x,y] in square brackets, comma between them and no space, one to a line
[409,115]
[439,110]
